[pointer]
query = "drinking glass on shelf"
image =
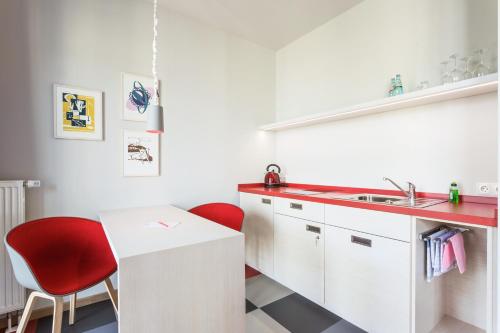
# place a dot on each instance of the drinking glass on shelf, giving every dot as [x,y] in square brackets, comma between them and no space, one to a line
[467,70]
[445,74]
[455,74]
[423,85]
[481,69]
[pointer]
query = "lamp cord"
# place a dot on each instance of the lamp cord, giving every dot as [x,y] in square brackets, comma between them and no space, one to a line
[156,97]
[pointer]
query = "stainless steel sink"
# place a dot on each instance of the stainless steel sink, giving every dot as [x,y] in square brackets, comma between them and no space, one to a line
[377,198]
[391,200]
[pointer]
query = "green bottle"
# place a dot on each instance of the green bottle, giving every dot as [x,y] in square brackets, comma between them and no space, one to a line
[454,195]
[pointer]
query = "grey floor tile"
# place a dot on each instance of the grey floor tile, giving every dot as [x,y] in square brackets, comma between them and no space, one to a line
[250,306]
[299,315]
[86,318]
[262,290]
[343,326]
[109,328]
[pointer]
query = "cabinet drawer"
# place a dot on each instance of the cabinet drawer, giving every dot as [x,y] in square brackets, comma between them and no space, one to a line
[367,280]
[306,210]
[373,222]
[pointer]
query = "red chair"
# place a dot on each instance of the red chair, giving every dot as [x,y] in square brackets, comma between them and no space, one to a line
[226,214]
[60,256]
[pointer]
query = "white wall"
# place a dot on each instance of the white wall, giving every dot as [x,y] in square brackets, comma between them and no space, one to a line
[350,60]
[429,145]
[216,89]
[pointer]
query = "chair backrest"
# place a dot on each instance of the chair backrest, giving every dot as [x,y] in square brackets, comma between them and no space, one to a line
[226,214]
[32,245]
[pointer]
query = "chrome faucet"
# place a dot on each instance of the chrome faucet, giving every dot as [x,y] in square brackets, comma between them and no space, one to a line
[411,194]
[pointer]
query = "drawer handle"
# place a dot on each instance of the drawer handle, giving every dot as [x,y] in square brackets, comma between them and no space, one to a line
[266,201]
[294,205]
[312,228]
[361,241]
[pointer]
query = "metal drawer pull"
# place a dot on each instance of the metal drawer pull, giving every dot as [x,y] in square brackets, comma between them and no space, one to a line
[266,201]
[312,228]
[294,205]
[361,241]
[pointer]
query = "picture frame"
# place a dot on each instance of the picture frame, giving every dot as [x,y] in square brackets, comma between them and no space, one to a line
[137,95]
[78,113]
[141,154]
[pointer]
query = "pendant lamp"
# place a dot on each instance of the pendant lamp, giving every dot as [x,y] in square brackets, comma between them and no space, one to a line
[155,112]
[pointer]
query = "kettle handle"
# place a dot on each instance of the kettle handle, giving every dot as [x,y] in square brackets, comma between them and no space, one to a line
[273,165]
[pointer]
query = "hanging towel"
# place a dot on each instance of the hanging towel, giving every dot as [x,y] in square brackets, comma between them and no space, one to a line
[428,268]
[436,266]
[457,241]
[440,244]
[448,257]
[431,238]
[430,253]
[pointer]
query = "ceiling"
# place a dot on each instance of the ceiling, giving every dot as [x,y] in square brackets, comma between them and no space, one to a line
[270,23]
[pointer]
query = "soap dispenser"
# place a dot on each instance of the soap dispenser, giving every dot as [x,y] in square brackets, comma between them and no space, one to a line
[454,193]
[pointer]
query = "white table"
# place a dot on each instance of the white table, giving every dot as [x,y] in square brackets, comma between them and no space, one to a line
[189,278]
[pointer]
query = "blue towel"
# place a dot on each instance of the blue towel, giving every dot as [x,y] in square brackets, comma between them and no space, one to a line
[432,237]
[433,254]
[428,269]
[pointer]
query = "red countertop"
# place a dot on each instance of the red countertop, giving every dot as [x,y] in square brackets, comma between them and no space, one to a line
[471,209]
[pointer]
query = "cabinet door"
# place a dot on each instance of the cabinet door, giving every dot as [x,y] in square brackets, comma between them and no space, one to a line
[367,280]
[299,256]
[258,227]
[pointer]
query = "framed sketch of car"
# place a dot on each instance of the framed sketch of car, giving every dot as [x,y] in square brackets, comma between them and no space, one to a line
[141,154]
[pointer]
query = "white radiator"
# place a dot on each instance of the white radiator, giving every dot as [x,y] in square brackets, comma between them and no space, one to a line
[12,295]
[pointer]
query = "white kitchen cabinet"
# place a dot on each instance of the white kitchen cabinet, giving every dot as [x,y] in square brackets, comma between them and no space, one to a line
[299,256]
[367,280]
[384,224]
[307,210]
[258,227]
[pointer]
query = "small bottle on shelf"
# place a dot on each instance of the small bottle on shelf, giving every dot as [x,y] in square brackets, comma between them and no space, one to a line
[399,85]
[392,92]
[454,193]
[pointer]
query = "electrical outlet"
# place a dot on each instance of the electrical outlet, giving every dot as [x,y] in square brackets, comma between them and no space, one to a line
[32,183]
[487,189]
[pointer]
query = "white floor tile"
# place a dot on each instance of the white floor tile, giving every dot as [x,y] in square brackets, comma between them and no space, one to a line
[261,290]
[259,322]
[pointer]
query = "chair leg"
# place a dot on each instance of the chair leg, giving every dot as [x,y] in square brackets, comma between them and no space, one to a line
[21,327]
[58,314]
[72,305]
[113,295]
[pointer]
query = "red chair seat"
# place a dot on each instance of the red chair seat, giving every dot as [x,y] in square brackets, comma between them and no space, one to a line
[65,254]
[226,214]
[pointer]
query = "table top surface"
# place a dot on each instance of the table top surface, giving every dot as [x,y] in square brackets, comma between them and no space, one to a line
[136,231]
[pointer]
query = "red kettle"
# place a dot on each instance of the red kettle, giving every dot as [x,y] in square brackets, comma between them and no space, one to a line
[272,179]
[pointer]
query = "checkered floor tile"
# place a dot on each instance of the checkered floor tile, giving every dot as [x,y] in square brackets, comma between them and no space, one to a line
[273,308]
[270,307]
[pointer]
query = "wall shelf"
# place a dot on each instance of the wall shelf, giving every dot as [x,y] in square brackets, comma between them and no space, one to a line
[466,88]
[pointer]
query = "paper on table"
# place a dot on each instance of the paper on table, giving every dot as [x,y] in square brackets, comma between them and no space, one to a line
[162,224]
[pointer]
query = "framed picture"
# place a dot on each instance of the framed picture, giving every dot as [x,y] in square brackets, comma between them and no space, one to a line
[77,113]
[138,93]
[141,153]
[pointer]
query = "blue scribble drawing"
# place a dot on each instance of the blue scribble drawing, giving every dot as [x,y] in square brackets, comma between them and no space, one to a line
[140,97]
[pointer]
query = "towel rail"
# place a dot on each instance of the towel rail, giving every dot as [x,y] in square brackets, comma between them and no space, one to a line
[425,235]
